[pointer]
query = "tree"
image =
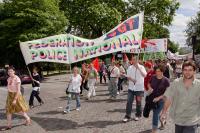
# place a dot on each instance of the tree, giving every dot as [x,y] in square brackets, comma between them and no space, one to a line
[92,18]
[172,46]
[193,29]
[25,20]
[157,15]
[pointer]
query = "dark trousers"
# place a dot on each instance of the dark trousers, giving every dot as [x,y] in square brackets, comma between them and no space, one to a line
[84,85]
[102,76]
[186,129]
[108,73]
[120,84]
[131,95]
[34,94]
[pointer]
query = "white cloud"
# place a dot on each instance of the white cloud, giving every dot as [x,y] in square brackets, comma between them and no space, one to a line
[189,4]
[181,19]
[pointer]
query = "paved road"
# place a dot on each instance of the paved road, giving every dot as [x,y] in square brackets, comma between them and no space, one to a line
[98,115]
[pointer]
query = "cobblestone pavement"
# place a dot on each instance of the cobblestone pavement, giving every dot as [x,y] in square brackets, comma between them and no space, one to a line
[97,115]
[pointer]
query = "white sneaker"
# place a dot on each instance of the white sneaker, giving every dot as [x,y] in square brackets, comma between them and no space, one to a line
[136,118]
[78,109]
[118,93]
[125,119]
[66,111]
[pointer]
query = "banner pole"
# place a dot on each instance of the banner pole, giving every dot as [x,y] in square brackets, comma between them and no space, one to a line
[70,69]
[30,74]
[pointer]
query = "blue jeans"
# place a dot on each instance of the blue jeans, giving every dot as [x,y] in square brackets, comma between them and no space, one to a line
[156,114]
[77,96]
[129,104]
[186,129]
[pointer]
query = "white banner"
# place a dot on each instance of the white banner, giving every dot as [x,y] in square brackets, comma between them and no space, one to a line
[150,46]
[176,56]
[66,48]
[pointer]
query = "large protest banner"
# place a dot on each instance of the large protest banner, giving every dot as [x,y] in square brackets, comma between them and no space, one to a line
[67,48]
[150,46]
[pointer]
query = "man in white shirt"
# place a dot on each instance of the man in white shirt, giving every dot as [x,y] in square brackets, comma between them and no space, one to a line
[114,75]
[135,75]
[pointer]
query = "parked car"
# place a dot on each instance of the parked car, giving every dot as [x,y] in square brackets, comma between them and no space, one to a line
[25,79]
[3,77]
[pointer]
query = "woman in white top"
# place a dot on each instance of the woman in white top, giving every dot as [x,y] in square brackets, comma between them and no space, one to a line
[74,89]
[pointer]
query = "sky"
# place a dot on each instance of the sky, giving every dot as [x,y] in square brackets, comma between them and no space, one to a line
[188,9]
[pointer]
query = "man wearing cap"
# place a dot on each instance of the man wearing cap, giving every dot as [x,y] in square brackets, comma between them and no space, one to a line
[135,75]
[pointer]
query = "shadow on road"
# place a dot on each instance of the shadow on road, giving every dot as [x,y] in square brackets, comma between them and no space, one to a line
[14,116]
[2,128]
[102,95]
[147,131]
[117,111]
[100,124]
[53,112]
[54,124]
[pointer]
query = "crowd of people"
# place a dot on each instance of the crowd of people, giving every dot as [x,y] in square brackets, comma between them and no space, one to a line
[161,83]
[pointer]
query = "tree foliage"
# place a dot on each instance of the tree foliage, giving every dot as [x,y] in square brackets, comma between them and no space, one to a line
[24,20]
[91,18]
[172,46]
[193,29]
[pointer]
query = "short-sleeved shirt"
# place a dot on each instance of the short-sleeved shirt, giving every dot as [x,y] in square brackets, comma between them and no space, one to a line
[92,73]
[185,107]
[122,71]
[36,77]
[12,83]
[159,86]
[178,68]
[115,72]
[135,74]
[75,84]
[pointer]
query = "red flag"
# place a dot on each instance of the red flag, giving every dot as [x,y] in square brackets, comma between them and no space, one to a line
[113,58]
[125,58]
[146,42]
[95,62]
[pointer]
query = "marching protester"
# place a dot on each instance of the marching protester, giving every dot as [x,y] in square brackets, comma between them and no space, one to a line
[114,75]
[36,88]
[135,75]
[92,78]
[178,68]
[166,72]
[121,77]
[154,101]
[184,98]
[15,102]
[84,75]
[102,72]
[150,72]
[74,89]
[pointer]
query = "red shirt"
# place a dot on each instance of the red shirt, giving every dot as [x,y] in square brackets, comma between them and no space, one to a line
[147,79]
